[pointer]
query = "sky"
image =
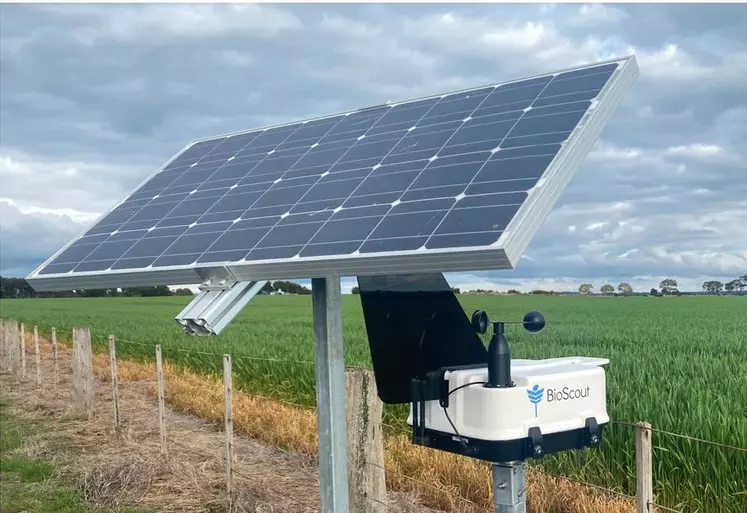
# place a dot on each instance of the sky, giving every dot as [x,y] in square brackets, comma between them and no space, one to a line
[94,98]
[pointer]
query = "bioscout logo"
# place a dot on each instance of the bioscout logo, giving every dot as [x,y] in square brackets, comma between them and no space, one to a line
[567,394]
[535,396]
[536,393]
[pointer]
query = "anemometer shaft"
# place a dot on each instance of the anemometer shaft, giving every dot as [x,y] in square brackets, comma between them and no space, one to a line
[499,359]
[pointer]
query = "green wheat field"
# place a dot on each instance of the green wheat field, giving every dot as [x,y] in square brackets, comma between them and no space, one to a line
[679,363]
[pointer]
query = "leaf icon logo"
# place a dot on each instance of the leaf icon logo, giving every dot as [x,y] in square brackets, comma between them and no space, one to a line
[535,396]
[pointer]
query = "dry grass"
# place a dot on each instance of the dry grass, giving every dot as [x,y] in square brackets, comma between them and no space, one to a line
[109,484]
[112,472]
[128,470]
[441,480]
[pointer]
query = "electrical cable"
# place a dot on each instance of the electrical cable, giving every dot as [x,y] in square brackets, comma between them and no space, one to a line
[462,440]
[467,385]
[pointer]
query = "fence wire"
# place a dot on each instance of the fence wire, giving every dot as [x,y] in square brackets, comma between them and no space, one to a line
[282,401]
[377,501]
[584,483]
[219,355]
[428,485]
[680,435]
[659,506]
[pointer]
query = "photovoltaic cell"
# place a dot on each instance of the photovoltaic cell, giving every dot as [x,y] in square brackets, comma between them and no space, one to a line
[449,172]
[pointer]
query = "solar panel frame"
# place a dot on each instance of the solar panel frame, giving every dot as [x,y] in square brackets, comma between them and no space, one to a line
[502,254]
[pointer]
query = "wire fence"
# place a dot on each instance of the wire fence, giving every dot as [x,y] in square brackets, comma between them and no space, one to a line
[418,484]
[603,489]
[684,437]
[435,488]
[663,508]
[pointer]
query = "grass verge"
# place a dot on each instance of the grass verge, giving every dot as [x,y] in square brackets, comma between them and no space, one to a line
[29,484]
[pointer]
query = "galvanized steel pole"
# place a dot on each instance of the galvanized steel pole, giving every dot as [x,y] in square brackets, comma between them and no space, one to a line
[330,395]
[509,487]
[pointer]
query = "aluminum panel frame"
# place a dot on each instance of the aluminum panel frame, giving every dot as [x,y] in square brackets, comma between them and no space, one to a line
[385,263]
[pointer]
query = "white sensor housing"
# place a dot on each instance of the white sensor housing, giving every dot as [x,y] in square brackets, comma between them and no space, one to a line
[556,395]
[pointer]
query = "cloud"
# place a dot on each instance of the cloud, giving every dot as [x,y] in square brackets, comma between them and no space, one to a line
[672,64]
[596,14]
[696,149]
[148,24]
[27,239]
[76,216]
[96,98]
[86,188]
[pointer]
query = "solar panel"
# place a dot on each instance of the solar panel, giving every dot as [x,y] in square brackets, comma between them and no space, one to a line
[453,182]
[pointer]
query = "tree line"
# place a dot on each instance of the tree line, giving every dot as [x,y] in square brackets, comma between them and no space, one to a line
[284,287]
[737,285]
[18,288]
[11,288]
[357,290]
[668,287]
[624,289]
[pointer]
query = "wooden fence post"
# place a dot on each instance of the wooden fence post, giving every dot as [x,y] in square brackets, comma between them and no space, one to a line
[23,351]
[5,363]
[115,381]
[38,356]
[4,357]
[15,345]
[83,391]
[6,341]
[367,480]
[54,359]
[644,468]
[75,364]
[2,344]
[10,343]
[161,401]
[228,417]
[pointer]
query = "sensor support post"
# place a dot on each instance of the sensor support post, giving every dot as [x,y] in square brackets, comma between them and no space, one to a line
[509,487]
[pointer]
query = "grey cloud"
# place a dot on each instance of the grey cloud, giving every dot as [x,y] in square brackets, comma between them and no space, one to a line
[113,91]
[27,240]
[57,184]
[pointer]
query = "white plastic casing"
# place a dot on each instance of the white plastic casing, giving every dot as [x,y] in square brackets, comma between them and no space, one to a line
[569,390]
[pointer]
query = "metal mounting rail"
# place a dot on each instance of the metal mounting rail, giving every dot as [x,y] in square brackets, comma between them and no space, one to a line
[216,305]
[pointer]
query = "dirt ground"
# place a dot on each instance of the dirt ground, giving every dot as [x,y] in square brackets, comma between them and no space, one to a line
[127,469]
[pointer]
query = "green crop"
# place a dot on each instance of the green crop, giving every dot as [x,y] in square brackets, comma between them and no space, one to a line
[678,363]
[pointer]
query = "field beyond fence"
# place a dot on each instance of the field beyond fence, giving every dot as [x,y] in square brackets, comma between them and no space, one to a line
[676,363]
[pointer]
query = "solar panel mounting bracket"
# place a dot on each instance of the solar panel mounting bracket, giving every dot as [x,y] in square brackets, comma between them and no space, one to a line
[219,301]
